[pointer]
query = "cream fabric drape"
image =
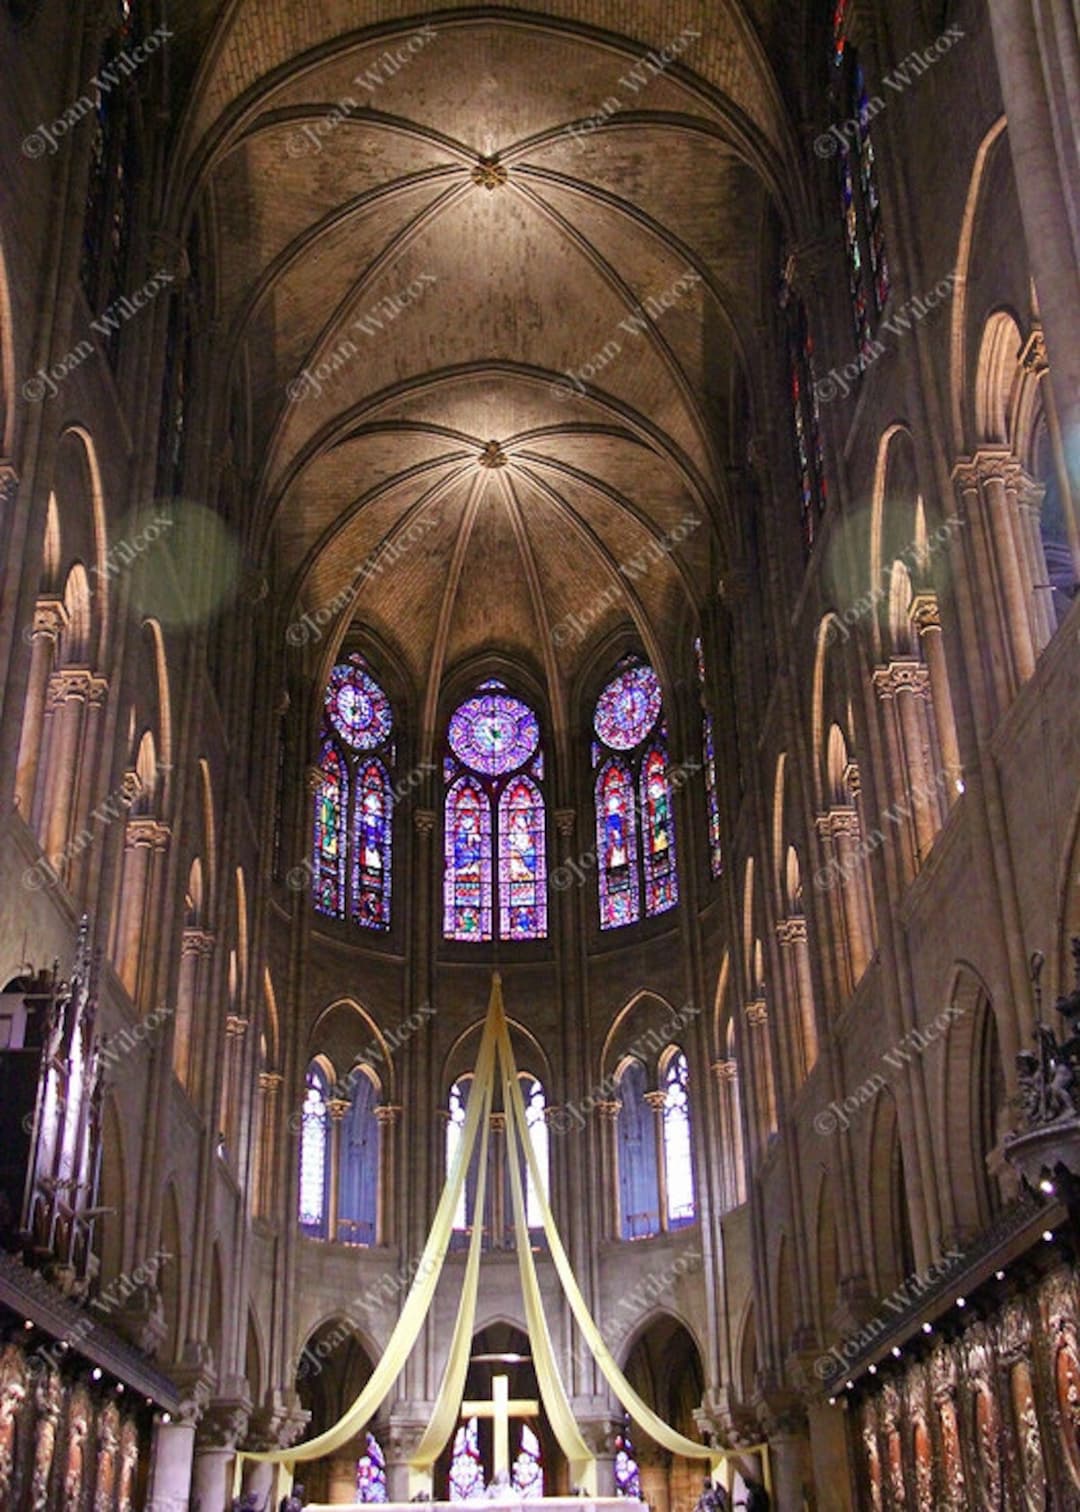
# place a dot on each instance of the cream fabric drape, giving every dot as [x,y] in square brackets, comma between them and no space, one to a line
[495,1052]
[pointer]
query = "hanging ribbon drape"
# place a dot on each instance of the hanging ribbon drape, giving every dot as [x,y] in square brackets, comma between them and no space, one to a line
[495,1052]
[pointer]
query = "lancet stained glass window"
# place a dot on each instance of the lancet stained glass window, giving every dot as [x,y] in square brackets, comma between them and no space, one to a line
[536,1122]
[633,797]
[494,810]
[358,1163]
[527,1476]
[466,1468]
[806,418]
[639,1182]
[314,1148]
[708,758]
[860,198]
[354,804]
[331,805]
[678,1164]
[371,1472]
[627,1474]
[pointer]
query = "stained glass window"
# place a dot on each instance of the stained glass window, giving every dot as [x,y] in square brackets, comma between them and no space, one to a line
[658,825]
[371,1472]
[314,1146]
[639,1185]
[678,1165]
[616,846]
[536,1122]
[628,708]
[527,1476]
[634,817]
[354,805]
[358,1163]
[455,1123]
[466,1469]
[708,758]
[494,807]
[522,869]
[372,818]
[111,184]
[358,708]
[468,862]
[627,1474]
[331,804]
[860,200]
[809,458]
[494,733]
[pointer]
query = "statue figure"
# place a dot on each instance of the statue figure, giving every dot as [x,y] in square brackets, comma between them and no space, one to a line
[713,1498]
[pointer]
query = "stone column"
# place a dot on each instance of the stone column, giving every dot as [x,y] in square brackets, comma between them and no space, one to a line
[1036,49]
[757,1018]
[50,617]
[341,1478]
[655,1101]
[171,1451]
[196,947]
[726,1073]
[496,1194]
[337,1107]
[997,481]
[1033,359]
[269,1094]
[789,1455]
[906,683]
[218,1434]
[927,621]
[386,1115]
[69,692]
[144,839]
[791,934]
[992,648]
[610,1218]
[854,892]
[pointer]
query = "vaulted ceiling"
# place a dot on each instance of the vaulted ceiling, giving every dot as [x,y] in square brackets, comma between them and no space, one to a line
[412,268]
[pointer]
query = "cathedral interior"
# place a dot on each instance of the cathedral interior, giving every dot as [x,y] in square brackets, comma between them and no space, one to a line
[326,330]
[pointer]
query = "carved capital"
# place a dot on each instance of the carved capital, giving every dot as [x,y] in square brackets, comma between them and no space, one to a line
[424,821]
[791,931]
[196,942]
[905,675]
[270,1083]
[1033,358]
[565,819]
[656,1100]
[726,1070]
[608,1110]
[757,1014]
[50,618]
[924,612]
[387,1113]
[144,833]
[337,1107]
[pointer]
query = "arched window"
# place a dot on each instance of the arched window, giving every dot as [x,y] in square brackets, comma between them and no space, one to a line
[466,1467]
[536,1121]
[354,802]
[678,1165]
[331,806]
[639,1188]
[527,1477]
[806,417]
[494,770]
[628,722]
[358,1164]
[627,1473]
[860,200]
[371,1472]
[455,1124]
[113,176]
[314,1150]
[708,761]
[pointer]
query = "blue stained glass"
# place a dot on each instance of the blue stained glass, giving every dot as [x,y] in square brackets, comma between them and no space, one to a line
[528,1473]
[357,707]
[371,1473]
[466,1470]
[639,1181]
[314,1143]
[627,1473]
[522,863]
[616,844]
[372,852]
[494,733]
[628,708]
[467,877]
[678,1164]
[331,802]
[712,795]
[658,827]
[358,1164]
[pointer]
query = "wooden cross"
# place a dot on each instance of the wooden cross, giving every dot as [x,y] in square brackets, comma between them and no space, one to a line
[501,1408]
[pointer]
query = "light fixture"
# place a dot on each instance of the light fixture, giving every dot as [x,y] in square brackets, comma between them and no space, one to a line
[873,1370]
[959,784]
[1048,1235]
[95,1374]
[28,1324]
[832,1401]
[961,1301]
[927,1328]
[897,1351]
[119,1388]
[851,1386]
[999,1275]
[1047,1187]
[166,1417]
